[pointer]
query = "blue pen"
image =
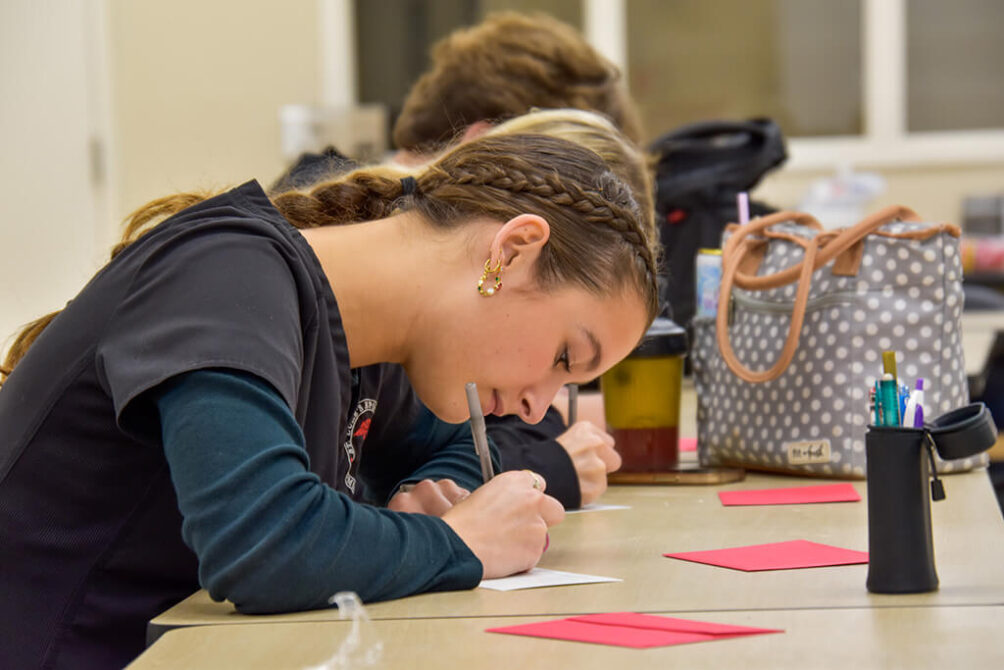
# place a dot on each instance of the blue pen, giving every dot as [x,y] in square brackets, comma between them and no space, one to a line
[889,400]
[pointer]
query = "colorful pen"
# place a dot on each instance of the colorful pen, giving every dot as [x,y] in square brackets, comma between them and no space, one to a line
[743,206]
[889,400]
[876,404]
[889,364]
[913,417]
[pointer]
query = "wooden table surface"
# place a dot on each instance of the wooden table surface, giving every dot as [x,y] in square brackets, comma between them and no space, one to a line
[917,638]
[628,544]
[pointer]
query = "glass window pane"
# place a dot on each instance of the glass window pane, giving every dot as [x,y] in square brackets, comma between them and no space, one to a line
[569,11]
[393,38]
[955,64]
[795,61]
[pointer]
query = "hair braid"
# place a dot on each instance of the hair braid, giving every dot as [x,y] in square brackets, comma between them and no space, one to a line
[604,202]
[612,205]
[361,195]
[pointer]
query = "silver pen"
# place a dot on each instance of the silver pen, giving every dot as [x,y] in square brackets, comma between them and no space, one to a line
[573,404]
[479,432]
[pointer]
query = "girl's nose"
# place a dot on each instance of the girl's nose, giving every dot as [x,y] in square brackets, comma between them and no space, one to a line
[533,403]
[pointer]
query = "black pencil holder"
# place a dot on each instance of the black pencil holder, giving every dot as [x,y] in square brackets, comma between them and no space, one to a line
[900,488]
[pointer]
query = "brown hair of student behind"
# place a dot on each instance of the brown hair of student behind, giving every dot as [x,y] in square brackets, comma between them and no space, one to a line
[506,66]
[600,238]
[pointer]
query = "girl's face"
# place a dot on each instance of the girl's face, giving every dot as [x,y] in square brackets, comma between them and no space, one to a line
[520,347]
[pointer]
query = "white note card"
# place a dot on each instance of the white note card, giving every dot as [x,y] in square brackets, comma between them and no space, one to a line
[539,577]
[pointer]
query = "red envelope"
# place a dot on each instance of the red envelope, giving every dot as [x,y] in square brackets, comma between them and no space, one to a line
[798,494]
[776,556]
[628,629]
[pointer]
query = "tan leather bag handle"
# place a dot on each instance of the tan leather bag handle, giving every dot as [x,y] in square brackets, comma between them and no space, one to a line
[819,250]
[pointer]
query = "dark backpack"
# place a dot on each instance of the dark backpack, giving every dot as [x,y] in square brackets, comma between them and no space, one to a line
[700,169]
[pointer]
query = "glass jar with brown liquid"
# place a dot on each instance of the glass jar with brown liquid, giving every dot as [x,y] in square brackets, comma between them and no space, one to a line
[641,400]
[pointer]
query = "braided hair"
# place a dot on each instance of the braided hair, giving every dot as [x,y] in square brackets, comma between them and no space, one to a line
[601,239]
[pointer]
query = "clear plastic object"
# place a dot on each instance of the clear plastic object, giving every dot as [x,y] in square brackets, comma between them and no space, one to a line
[361,648]
[840,200]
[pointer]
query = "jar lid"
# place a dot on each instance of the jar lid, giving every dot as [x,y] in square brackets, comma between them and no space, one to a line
[663,338]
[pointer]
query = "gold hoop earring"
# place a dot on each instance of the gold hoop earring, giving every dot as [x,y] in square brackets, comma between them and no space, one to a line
[497,271]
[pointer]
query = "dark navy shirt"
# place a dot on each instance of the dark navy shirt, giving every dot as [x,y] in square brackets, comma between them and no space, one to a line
[219,314]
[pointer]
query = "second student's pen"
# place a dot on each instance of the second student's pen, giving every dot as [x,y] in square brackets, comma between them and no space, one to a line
[573,403]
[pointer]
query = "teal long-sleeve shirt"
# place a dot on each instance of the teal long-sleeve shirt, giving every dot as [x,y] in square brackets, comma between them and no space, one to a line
[268,534]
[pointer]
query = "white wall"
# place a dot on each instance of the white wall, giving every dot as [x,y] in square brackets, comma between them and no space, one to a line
[48,230]
[189,93]
[197,90]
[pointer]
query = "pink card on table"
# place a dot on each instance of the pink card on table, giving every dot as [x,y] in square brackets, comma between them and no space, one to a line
[687,444]
[628,629]
[844,492]
[776,556]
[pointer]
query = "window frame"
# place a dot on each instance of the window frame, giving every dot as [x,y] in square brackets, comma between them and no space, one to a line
[885,142]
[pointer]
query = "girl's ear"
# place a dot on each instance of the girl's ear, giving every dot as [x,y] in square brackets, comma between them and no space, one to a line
[519,242]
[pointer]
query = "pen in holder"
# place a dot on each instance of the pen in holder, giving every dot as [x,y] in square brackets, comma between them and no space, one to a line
[900,466]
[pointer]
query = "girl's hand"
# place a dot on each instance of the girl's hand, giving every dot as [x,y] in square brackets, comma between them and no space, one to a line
[429,497]
[505,522]
[593,455]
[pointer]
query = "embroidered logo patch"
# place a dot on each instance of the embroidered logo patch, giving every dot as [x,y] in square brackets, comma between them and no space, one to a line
[355,435]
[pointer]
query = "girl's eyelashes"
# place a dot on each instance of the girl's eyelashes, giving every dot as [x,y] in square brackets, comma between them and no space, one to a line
[563,360]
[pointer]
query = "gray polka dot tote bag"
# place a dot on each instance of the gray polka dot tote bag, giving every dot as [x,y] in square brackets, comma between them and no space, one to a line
[784,368]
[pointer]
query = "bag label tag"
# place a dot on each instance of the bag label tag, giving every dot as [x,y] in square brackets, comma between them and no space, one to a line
[808,451]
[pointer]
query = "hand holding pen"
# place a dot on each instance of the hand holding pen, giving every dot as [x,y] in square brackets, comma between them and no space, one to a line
[591,450]
[505,521]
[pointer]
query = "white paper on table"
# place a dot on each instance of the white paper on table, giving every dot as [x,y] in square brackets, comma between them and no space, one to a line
[596,507]
[539,577]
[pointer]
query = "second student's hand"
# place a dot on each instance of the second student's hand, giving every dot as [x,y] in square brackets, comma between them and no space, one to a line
[428,497]
[593,455]
[505,522]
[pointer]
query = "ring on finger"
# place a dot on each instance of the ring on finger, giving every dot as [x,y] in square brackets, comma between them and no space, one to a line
[537,483]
